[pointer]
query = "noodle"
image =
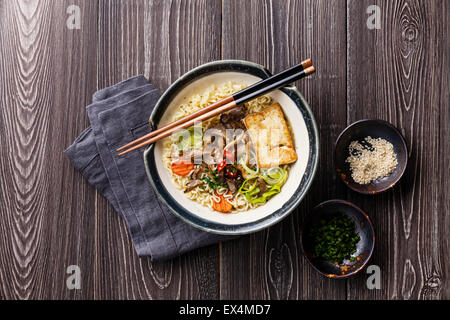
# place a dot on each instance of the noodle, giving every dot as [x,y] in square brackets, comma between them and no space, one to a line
[204,194]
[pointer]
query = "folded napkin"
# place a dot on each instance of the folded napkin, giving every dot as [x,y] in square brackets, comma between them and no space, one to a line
[118,115]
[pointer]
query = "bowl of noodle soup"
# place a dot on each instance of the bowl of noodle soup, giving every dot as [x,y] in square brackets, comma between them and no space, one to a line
[250,198]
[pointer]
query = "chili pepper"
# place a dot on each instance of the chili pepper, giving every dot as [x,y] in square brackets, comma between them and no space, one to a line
[231,172]
[229,156]
[221,165]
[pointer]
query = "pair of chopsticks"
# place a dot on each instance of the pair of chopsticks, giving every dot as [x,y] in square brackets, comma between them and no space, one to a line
[260,88]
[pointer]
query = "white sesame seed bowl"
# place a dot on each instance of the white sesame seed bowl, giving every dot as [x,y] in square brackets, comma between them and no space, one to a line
[380,158]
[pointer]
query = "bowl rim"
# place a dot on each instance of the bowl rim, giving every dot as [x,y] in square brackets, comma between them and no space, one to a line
[405,146]
[372,249]
[271,219]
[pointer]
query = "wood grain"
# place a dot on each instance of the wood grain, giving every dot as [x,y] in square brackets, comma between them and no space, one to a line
[42,65]
[163,40]
[397,74]
[278,34]
[51,218]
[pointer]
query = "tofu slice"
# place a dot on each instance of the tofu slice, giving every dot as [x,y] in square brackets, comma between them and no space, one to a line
[271,137]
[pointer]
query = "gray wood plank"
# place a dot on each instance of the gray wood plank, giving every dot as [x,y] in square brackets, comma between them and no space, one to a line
[401,74]
[47,74]
[163,40]
[51,218]
[278,34]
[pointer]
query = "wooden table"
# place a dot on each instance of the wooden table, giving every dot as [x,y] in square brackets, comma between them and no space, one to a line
[51,218]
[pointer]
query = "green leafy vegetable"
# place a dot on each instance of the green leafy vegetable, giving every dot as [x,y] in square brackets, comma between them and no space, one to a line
[266,195]
[246,187]
[193,141]
[274,177]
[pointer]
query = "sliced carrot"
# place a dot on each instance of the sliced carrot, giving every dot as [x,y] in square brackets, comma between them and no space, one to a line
[182,168]
[223,205]
[226,206]
[216,205]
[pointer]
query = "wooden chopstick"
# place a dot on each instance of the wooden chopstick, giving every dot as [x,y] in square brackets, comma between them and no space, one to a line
[260,84]
[224,108]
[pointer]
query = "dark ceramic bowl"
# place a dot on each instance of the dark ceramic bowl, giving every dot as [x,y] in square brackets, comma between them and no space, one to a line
[305,137]
[376,129]
[365,245]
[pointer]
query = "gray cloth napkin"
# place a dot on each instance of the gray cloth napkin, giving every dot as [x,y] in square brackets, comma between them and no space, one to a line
[118,115]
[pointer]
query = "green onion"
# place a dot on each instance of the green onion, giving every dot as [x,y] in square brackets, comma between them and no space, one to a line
[274,176]
[249,171]
[335,238]
[244,188]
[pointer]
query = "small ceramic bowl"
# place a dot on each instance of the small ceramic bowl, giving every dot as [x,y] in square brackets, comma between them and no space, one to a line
[305,136]
[376,129]
[364,248]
